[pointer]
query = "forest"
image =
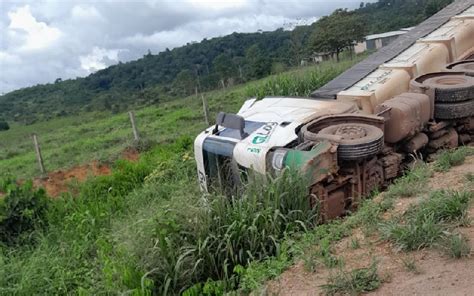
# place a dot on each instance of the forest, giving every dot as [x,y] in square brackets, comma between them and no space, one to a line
[210,64]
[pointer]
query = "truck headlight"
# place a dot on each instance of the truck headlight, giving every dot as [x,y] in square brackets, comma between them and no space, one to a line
[278,159]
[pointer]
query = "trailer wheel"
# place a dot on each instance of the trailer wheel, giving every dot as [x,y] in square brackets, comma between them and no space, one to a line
[358,140]
[454,110]
[451,88]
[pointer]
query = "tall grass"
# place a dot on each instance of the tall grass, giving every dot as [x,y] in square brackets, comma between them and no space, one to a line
[300,84]
[196,239]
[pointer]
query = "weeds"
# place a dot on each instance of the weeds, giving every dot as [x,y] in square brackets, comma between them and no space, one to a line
[450,158]
[355,244]
[456,246]
[424,225]
[410,265]
[411,184]
[353,282]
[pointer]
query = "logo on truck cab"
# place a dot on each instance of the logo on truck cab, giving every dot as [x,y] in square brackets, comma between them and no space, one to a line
[264,133]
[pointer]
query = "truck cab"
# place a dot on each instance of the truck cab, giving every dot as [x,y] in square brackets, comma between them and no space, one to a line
[249,139]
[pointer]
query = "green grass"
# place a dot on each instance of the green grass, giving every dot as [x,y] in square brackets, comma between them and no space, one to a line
[412,183]
[425,224]
[450,158]
[456,246]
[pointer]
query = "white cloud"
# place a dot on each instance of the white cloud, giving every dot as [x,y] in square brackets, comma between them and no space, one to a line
[37,34]
[42,40]
[86,13]
[96,60]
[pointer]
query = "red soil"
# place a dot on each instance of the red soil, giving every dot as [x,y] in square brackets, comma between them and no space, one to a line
[59,181]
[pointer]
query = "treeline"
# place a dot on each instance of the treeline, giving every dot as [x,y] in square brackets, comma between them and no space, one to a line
[210,64]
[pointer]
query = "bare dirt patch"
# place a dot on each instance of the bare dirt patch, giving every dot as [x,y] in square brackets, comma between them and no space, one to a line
[433,273]
[131,155]
[59,181]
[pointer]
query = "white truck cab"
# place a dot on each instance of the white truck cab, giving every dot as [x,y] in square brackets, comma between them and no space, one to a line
[243,141]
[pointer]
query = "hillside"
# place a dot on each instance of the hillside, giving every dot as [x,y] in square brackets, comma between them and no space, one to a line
[207,65]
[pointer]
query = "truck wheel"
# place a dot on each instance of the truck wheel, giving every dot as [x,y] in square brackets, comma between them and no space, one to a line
[358,140]
[454,110]
[451,88]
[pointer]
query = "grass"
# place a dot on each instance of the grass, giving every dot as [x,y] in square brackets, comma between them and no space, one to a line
[412,183]
[456,246]
[450,158]
[353,282]
[424,224]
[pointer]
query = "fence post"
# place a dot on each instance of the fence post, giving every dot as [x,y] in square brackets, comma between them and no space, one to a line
[205,109]
[38,154]
[134,126]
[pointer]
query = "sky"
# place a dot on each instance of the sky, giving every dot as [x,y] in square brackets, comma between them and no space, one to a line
[42,40]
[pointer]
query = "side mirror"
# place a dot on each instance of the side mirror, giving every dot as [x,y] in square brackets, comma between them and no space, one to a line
[232,121]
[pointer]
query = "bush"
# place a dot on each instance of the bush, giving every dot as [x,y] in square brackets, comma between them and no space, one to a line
[4,126]
[22,210]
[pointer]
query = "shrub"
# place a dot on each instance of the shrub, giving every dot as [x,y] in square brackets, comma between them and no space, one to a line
[4,126]
[22,210]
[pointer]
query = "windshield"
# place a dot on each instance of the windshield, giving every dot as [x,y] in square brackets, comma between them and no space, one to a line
[221,171]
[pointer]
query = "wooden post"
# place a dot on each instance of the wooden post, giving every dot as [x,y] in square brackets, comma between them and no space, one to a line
[38,155]
[205,109]
[134,126]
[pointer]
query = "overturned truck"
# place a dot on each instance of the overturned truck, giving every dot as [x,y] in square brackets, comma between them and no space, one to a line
[358,132]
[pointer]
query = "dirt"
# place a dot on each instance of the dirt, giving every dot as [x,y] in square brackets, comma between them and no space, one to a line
[131,155]
[435,274]
[60,181]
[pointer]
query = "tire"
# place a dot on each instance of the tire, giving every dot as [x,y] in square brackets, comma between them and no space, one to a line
[454,110]
[358,141]
[451,88]
[466,66]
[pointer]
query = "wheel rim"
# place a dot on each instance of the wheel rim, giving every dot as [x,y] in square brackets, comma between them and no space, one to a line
[351,132]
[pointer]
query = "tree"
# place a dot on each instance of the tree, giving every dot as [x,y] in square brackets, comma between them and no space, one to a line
[224,66]
[4,125]
[185,82]
[337,32]
[297,43]
[258,64]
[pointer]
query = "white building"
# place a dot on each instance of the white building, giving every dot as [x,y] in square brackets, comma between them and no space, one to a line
[376,41]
